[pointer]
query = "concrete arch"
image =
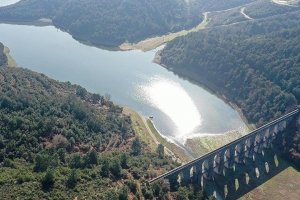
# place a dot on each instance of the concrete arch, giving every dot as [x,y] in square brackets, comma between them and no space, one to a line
[257,172]
[282,125]
[258,143]
[218,163]
[247,143]
[208,168]
[267,167]
[240,152]
[266,142]
[216,160]
[257,139]
[276,129]
[180,178]
[226,155]
[204,166]
[267,132]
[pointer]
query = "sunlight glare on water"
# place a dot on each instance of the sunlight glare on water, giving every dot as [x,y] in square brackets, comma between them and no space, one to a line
[171,98]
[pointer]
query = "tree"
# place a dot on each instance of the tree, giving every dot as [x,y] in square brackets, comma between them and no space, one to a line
[123,193]
[160,151]
[96,98]
[105,168]
[48,180]
[72,179]
[123,161]
[60,141]
[8,163]
[136,147]
[76,161]
[62,155]
[115,168]
[183,193]
[93,157]
[41,163]
[81,92]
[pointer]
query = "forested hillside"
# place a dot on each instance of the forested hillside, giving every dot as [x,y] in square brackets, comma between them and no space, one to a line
[255,64]
[107,23]
[58,141]
[252,11]
[110,23]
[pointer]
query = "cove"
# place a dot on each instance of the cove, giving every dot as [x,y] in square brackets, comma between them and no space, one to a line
[179,108]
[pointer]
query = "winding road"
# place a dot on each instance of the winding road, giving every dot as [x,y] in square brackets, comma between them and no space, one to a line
[244,14]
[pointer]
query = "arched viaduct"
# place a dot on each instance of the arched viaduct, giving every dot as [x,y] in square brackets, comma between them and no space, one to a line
[235,166]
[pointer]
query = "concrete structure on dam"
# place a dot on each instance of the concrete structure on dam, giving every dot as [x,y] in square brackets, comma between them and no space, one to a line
[236,167]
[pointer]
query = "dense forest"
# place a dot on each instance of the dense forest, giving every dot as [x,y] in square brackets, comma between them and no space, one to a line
[111,23]
[58,141]
[263,8]
[108,23]
[255,10]
[255,64]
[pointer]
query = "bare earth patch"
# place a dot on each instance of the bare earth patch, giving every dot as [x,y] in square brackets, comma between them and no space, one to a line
[152,43]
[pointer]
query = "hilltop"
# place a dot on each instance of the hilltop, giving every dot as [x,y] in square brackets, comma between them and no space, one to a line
[254,63]
[111,23]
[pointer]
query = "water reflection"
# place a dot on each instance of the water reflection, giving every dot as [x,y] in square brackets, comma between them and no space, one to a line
[172,99]
[177,105]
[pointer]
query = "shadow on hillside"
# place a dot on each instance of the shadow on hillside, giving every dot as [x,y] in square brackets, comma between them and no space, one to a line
[249,176]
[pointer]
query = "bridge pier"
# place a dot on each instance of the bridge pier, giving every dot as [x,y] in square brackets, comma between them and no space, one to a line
[219,163]
[232,169]
[173,180]
[269,156]
[197,174]
[186,179]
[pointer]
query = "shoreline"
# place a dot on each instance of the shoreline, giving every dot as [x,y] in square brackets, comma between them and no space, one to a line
[39,22]
[208,86]
[147,132]
[144,45]
[156,41]
[10,60]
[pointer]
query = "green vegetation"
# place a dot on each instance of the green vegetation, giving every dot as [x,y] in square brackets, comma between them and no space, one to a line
[58,141]
[111,23]
[107,23]
[205,144]
[225,17]
[255,64]
[149,135]
[261,9]
[171,148]
[255,10]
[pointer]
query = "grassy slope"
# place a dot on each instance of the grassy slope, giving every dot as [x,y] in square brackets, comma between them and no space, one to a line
[153,138]
[10,61]
[152,43]
[284,185]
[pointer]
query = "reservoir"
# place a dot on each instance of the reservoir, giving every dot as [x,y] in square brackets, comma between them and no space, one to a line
[179,108]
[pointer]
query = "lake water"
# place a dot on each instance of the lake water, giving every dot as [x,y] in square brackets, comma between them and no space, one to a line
[179,107]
